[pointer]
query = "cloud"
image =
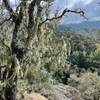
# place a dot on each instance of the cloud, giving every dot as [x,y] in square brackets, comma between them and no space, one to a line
[66,21]
[72,3]
[97,18]
[88,2]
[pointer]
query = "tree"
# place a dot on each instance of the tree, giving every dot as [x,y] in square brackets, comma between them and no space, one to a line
[32,15]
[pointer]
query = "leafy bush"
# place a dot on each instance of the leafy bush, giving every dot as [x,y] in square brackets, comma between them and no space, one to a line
[78,58]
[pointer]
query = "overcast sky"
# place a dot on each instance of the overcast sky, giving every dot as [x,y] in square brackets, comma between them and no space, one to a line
[91,7]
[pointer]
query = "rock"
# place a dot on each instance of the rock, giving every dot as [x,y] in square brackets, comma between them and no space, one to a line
[63,92]
[34,96]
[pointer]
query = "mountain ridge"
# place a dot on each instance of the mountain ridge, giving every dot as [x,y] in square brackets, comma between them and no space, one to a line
[83,25]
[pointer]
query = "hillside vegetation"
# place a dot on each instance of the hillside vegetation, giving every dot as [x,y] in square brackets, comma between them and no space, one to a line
[58,57]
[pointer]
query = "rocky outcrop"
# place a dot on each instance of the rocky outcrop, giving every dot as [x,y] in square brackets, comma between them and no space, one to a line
[63,92]
[34,96]
[85,87]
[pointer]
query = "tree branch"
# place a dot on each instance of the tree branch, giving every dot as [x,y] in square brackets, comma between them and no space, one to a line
[80,12]
[31,10]
[30,13]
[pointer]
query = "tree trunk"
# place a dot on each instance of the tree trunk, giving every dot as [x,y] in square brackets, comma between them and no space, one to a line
[10,90]
[17,52]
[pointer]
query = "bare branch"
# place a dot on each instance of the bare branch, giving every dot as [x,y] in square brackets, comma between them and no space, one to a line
[79,11]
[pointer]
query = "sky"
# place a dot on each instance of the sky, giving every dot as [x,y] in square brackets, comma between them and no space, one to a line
[90,7]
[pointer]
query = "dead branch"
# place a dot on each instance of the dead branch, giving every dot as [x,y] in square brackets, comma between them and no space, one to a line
[80,12]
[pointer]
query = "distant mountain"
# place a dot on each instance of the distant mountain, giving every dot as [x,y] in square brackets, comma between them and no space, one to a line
[87,28]
[83,25]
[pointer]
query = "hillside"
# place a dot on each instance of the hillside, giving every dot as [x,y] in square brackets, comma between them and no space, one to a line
[82,25]
[87,28]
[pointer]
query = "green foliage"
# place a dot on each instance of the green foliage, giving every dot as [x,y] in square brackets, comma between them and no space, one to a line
[38,76]
[50,53]
[88,84]
[79,59]
[96,55]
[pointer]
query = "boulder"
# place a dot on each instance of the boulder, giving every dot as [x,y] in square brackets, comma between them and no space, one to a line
[34,96]
[63,92]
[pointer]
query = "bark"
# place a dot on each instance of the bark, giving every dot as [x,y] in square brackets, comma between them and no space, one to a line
[10,90]
[34,13]
[16,52]
[11,83]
